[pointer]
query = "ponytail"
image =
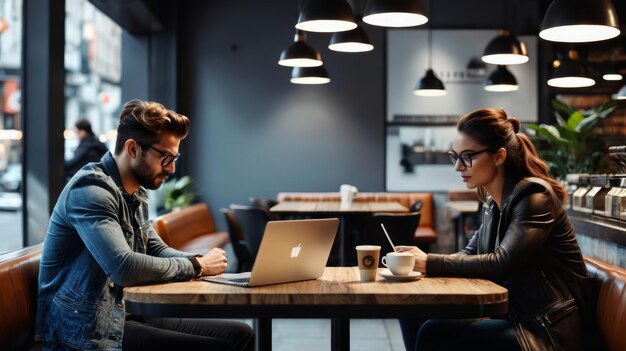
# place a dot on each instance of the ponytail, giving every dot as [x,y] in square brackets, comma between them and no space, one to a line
[533,166]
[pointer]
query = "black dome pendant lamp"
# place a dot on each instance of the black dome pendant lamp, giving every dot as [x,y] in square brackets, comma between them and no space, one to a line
[355,40]
[299,53]
[326,16]
[430,85]
[309,75]
[505,49]
[394,13]
[579,21]
[501,80]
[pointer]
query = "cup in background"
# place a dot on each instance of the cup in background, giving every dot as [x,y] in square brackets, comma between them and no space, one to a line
[368,256]
[399,263]
[347,194]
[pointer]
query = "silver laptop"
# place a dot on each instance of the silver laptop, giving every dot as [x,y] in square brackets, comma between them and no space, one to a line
[290,251]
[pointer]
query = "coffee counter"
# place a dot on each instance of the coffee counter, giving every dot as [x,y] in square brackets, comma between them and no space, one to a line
[600,237]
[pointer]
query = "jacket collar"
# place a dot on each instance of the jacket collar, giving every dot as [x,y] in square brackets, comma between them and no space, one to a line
[110,167]
[510,183]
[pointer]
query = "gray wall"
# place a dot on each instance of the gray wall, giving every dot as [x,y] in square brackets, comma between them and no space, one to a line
[256,134]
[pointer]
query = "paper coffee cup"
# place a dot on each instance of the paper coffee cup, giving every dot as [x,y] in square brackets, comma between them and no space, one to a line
[368,256]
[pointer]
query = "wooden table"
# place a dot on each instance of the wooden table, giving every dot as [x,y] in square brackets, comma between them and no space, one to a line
[338,295]
[461,210]
[335,208]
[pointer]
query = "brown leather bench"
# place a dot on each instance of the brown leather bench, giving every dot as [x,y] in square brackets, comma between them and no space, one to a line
[19,271]
[609,286]
[425,233]
[190,229]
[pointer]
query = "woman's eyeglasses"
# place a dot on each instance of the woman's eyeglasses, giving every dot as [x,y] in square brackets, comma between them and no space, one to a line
[166,157]
[465,157]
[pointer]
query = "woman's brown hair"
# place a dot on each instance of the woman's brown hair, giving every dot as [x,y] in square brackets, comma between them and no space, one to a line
[145,121]
[494,129]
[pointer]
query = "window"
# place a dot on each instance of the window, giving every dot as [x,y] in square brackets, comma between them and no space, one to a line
[11,213]
[93,66]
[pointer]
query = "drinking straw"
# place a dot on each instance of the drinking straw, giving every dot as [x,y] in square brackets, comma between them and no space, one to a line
[388,238]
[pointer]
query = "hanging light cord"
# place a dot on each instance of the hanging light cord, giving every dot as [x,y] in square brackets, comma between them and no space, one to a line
[430,37]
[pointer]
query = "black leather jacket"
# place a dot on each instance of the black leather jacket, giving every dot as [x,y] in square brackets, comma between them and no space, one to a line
[529,247]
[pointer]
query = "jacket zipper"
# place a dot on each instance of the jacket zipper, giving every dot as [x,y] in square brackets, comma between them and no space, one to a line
[554,313]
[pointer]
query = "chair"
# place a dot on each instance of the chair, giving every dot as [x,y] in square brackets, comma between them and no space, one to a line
[400,226]
[465,224]
[266,204]
[263,203]
[191,230]
[237,241]
[252,221]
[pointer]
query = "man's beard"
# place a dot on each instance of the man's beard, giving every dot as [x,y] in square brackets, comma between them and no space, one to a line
[145,179]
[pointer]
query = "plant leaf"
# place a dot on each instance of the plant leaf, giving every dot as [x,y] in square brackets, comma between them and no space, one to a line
[562,107]
[575,119]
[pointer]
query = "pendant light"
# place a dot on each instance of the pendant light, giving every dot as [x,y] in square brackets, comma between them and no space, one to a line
[612,73]
[505,49]
[430,85]
[501,80]
[579,21]
[394,13]
[309,75]
[326,16]
[355,40]
[299,53]
[613,76]
[570,73]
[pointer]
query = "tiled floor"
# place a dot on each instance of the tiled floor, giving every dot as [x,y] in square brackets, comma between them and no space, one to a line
[314,335]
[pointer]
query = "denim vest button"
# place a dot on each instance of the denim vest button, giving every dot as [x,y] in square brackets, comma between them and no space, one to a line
[115,320]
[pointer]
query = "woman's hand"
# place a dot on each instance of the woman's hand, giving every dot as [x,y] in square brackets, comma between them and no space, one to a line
[213,262]
[420,257]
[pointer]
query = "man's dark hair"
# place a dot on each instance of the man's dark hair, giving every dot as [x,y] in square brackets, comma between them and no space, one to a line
[145,121]
[84,125]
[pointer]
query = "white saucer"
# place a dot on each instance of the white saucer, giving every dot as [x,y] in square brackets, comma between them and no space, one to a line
[386,273]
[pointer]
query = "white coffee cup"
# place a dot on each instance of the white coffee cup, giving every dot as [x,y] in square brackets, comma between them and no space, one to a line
[347,193]
[399,263]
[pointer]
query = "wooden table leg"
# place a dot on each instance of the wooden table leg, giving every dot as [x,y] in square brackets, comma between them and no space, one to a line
[263,334]
[339,334]
[343,241]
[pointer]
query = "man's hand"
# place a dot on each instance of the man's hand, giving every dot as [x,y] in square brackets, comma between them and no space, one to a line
[420,257]
[213,262]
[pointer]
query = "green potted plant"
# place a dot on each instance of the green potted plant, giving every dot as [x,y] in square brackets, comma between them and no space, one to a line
[571,146]
[179,193]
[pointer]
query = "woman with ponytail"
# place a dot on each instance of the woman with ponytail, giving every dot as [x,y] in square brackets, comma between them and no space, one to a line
[525,243]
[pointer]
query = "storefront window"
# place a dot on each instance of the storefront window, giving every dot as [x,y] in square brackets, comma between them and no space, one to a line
[11,142]
[93,65]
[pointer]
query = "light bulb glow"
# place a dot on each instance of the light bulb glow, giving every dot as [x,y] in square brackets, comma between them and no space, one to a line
[505,59]
[430,92]
[300,62]
[501,88]
[310,80]
[326,26]
[612,76]
[580,33]
[395,19]
[351,47]
[571,82]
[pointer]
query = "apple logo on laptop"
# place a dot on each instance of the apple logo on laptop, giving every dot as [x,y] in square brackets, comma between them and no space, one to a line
[295,251]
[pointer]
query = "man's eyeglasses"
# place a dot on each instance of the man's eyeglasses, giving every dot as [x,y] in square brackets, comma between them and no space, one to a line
[465,157]
[166,157]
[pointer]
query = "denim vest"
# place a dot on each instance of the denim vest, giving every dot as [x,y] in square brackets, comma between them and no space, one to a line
[99,240]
